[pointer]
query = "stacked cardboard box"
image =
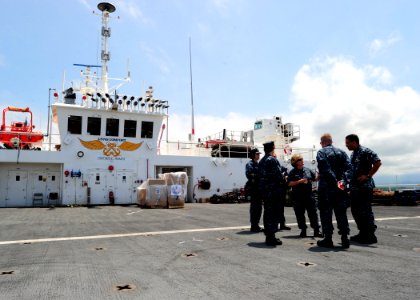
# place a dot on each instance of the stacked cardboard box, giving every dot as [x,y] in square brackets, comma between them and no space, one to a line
[153,193]
[169,191]
[177,183]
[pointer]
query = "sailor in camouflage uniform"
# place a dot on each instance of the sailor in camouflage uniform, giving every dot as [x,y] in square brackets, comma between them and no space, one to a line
[251,190]
[334,170]
[365,163]
[300,179]
[271,190]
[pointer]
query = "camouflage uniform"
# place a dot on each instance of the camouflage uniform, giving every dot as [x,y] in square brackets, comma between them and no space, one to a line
[252,193]
[361,194]
[303,199]
[271,190]
[334,165]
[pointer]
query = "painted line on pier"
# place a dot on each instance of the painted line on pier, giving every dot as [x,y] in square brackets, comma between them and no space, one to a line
[151,233]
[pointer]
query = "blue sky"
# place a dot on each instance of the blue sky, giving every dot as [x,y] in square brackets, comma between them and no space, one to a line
[330,66]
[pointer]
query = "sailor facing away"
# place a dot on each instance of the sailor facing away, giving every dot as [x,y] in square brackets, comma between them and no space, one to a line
[334,171]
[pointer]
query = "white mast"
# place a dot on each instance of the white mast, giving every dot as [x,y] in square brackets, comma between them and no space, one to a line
[106,9]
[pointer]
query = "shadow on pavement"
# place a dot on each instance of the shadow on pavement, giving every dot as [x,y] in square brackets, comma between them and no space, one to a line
[294,237]
[247,232]
[322,249]
[260,245]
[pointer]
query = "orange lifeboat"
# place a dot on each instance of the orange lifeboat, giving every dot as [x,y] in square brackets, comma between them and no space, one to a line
[19,134]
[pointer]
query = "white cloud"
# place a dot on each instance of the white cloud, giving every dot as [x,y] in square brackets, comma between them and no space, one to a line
[158,57]
[222,6]
[131,9]
[378,74]
[378,45]
[86,4]
[124,7]
[226,7]
[203,28]
[207,125]
[333,95]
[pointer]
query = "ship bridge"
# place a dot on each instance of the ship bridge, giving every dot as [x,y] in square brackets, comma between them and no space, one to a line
[275,130]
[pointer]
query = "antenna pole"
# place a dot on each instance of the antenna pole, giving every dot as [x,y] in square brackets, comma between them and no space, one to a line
[106,9]
[49,125]
[192,98]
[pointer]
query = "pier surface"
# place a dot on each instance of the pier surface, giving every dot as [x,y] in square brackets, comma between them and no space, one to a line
[204,251]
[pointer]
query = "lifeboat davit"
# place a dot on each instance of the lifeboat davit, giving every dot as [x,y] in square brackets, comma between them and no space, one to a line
[19,134]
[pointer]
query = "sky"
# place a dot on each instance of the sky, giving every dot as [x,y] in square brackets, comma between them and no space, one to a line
[349,66]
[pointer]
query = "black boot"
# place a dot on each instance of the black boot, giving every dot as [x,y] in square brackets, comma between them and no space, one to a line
[345,243]
[271,240]
[284,227]
[364,238]
[303,233]
[255,228]
[369,238]
[326,242]
[358,237]
[317,233]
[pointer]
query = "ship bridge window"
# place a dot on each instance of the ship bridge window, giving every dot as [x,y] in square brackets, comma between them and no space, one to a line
[147,130]
[94,126]
[258,125]
[130,128]
[74,124]
[112,127]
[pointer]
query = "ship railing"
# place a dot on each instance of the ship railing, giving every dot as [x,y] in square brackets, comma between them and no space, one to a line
[227,136]
[14,128]
[226,149]
[93,99]
[156,109]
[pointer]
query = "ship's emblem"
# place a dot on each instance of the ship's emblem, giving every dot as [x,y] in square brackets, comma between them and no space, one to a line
[110,148]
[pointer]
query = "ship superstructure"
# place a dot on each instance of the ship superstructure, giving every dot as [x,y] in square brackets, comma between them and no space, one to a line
[108,143]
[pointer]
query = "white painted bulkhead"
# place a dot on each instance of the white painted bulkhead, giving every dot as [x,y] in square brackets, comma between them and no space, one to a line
[29,184]
[224,174]
[101,173]
[111,167]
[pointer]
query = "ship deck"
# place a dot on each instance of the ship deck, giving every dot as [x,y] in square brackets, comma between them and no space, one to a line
[202,251]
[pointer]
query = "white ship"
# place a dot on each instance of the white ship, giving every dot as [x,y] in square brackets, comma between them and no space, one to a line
[109,143]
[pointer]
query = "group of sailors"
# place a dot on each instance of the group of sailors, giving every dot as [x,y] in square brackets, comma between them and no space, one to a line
[343,182]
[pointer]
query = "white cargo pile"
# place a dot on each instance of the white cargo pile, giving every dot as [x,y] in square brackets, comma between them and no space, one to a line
[169,191]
